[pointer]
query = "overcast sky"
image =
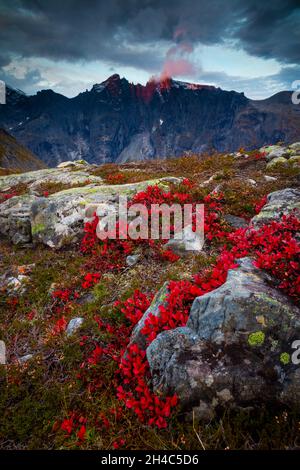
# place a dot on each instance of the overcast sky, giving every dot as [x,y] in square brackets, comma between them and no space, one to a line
[68,45]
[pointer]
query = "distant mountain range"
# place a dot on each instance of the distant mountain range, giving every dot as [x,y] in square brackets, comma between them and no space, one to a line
[15,157]
[117,121]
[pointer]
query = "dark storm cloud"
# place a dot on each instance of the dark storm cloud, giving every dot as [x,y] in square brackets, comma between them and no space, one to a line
[272,30]
[118,31]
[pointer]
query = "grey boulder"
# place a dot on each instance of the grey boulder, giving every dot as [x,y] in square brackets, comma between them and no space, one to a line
[159,300]
[278,203]
[235,349]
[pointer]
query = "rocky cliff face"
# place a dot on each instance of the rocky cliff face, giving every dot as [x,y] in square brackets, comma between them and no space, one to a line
[119,121]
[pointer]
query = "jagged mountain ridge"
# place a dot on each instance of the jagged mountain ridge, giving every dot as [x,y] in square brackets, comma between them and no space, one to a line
[117,121]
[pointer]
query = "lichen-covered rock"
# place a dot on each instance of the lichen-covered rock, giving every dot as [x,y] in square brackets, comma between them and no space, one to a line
[15,219]
[295,159]
[275,151]
[266,149]
[63,176]
[232,351]
[160,299]
[278,203]
[73,164]
[295,147]
[172,179]
[277,162]
[58,220]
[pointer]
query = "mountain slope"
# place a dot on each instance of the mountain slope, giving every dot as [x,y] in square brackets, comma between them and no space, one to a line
[13,156]
[119,121]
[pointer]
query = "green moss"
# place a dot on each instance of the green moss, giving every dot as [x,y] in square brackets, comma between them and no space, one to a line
[285,358]
[100,292]
[37,228]
[257,338]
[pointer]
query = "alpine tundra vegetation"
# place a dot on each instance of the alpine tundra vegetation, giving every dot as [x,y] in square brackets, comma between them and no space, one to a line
[128,344]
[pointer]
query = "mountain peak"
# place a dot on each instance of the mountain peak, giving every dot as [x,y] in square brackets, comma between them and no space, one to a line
[112,83]
[113,78]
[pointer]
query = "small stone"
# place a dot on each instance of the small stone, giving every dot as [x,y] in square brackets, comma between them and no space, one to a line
[74,325]
[224,395]
[270,178]
[53,287]
[17,284]
[26,358]
[212,178]
[252,182]
[2,352]
[131,260]
[237,154]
